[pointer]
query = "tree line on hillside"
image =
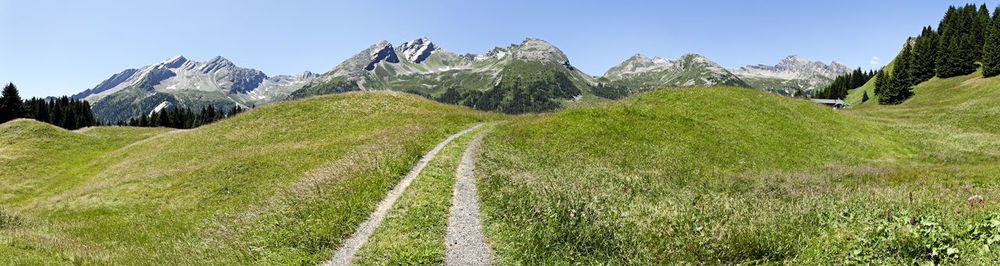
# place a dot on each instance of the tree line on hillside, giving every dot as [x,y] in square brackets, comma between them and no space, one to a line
[965,36]
[74,114]
[62,112]
[181,118]
[838,88]
[522,95]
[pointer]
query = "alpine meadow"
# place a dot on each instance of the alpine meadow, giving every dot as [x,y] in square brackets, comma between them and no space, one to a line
[414,154]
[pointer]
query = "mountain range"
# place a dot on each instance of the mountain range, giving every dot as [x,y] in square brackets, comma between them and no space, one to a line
[792,76]
[527,77]
[179,82]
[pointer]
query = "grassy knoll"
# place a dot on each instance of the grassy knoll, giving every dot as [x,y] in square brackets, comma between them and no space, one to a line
[708,175]
[413,231]
[281,184]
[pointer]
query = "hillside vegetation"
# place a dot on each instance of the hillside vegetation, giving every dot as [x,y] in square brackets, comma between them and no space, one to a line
[693,175]
[710,175]
[281,184]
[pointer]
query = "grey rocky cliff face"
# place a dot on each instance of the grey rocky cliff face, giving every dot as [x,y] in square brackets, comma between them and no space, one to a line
[796,65]
[384,53]
[416,51]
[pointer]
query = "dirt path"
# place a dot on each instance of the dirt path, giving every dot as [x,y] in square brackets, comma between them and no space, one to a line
[464,241]
[350,246]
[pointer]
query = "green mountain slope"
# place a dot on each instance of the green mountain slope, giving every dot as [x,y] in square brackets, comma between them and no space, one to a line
[855,96]
[423,68]
[281,184]
[731,175]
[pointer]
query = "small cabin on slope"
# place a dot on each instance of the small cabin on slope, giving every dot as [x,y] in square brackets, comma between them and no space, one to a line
[835,103]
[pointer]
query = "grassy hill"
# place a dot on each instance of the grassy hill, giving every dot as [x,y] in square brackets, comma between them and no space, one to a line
[281,184]
[695,175]
[711,175]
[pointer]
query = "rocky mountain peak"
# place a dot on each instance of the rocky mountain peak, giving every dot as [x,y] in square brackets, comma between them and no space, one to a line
[381,51]
[693,60]
[793,60]
[416,51]
[215,64]
[174,62]
[305,75]
[538,49]
[638,57]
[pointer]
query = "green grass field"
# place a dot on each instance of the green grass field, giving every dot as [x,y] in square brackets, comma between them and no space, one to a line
[694,175]
[281,184]
[710,175]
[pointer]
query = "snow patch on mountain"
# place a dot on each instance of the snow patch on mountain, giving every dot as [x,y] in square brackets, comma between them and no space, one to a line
[159,107]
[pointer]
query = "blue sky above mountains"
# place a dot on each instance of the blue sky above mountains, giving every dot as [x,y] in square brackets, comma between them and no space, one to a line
[63,47]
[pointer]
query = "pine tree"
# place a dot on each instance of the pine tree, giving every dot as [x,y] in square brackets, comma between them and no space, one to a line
[881,83]
[981,23]
[924,54]
[991,48]
[11,106]
[902,71]
[891,90]
[944,45]
[864,98]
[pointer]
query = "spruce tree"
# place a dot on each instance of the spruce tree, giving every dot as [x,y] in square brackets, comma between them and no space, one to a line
[991,48]
[881,82]
[944,45]
[11,106]
[980,22]
[924,55]
[902,71]
[864,98]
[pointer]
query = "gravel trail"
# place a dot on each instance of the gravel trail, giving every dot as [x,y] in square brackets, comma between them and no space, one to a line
[464,241]
[347,250]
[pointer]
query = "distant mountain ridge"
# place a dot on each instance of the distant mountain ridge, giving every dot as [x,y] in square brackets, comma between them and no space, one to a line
[642,73]
[530,76]
[183,83]
[533,69]
[792,75]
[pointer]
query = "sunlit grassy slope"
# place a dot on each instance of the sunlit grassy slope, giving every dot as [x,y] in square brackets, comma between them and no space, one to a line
[696,175]
[284,183]
[709,175]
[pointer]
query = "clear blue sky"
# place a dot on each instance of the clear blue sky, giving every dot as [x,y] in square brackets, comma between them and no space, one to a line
[63,47]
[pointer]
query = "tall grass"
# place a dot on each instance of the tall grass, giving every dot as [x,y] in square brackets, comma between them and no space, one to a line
[728,175]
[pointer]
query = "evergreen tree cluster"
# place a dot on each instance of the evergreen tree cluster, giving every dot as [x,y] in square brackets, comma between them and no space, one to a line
[181,118]
[62,112]
[524,92]
[517,98]
[991,49]
[965,36]
[894,87]
[962,36]
[611,91]
[838,89]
